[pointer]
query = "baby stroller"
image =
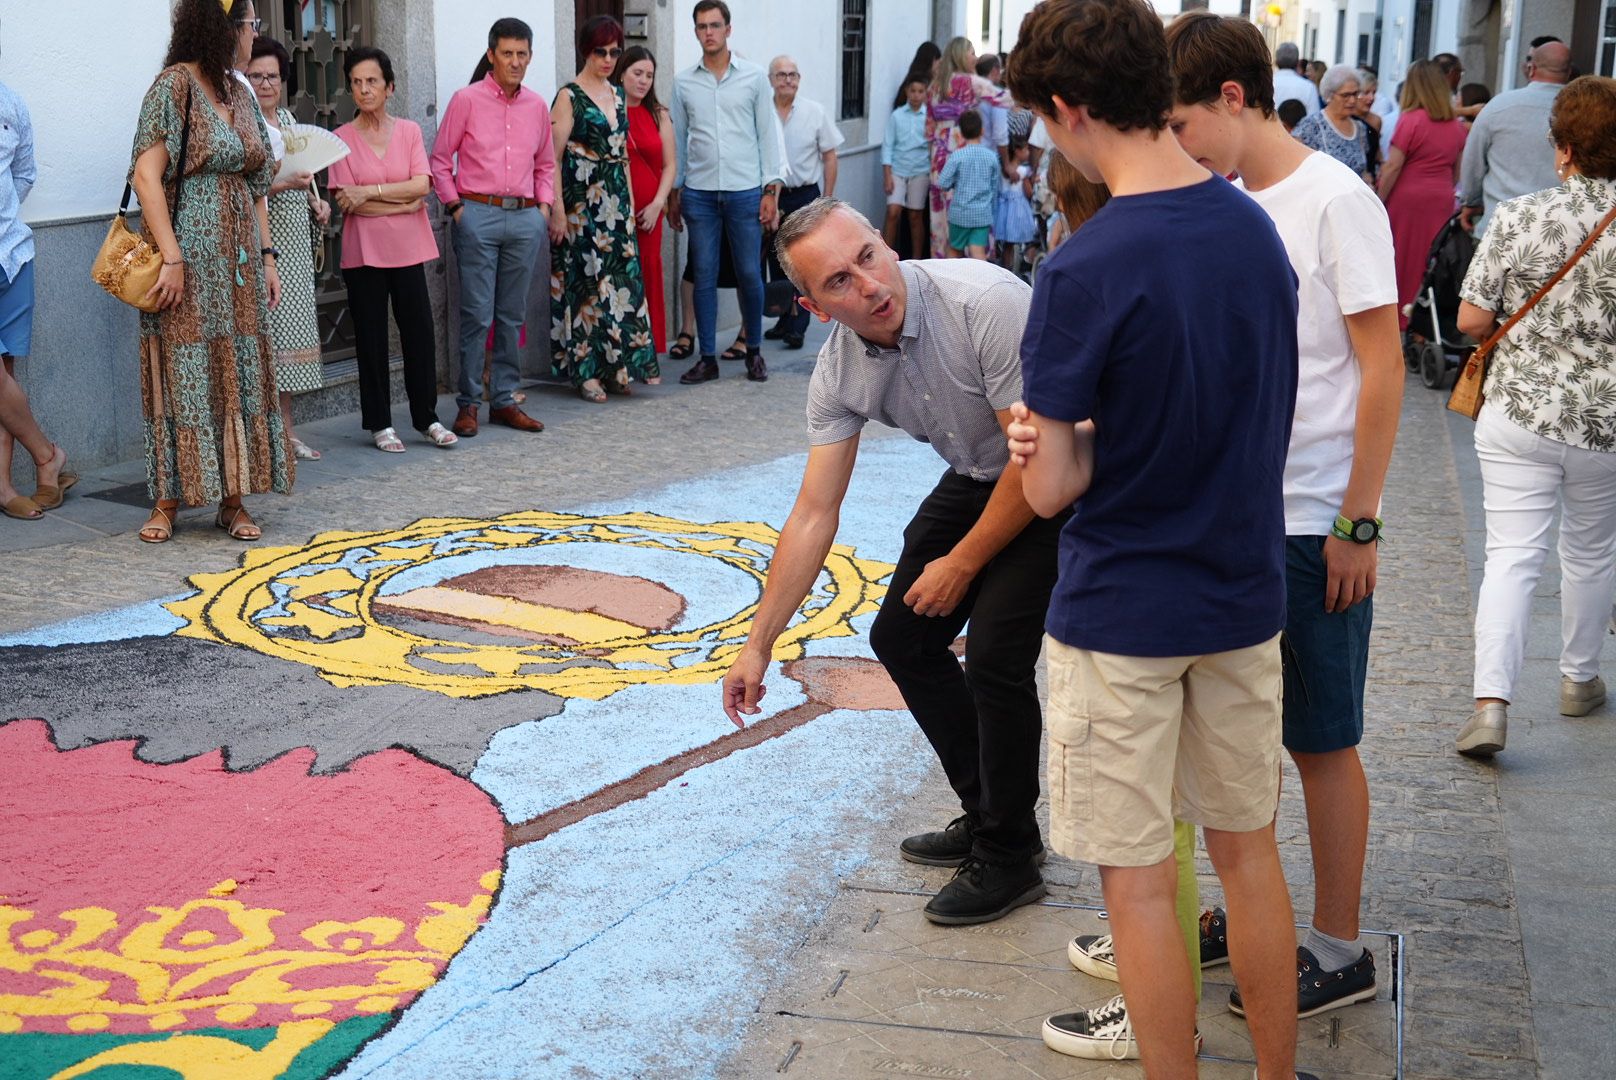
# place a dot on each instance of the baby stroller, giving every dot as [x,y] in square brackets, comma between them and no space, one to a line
[1432,344]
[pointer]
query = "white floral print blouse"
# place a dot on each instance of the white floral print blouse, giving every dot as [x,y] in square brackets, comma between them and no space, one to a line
[1554,373]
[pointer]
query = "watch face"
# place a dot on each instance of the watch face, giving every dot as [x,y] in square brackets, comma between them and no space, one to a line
[1363,531]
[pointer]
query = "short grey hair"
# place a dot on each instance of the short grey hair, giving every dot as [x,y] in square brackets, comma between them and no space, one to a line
[1368,80]
[1336,78]
[1287,56]
[801,224]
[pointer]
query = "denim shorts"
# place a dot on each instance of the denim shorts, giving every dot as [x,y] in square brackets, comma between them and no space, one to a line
[1326,656]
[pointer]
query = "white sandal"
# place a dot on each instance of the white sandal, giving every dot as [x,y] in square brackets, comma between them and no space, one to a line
[387,439]
[303,451]
[438,435]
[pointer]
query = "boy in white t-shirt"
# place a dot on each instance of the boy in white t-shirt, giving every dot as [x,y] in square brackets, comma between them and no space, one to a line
[1348,399]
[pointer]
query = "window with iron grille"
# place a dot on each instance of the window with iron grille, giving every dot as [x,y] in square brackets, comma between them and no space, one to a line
[854,55]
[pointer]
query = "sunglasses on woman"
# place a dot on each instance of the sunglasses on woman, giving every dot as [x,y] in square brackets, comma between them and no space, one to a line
[607,53]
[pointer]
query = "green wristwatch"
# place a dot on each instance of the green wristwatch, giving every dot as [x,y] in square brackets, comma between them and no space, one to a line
[1361,531]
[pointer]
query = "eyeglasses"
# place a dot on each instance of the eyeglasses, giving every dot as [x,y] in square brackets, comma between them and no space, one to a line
[703,26]
[263,79]
[611,53]
[788,76]
[255,24]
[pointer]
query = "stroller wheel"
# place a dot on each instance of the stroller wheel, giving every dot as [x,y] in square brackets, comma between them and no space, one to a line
[1411,355]
[1433,365]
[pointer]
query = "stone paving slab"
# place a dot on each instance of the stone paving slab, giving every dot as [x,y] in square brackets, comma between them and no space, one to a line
[937,992]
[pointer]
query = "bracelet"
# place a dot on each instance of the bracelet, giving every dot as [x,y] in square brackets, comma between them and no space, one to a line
[181,262]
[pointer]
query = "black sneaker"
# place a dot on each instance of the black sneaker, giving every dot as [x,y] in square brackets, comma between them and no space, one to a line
[982,892]
[793,341]
[756,370]
[1214,938]
[703,370]
[950,847]
[775,332]
[1320,991]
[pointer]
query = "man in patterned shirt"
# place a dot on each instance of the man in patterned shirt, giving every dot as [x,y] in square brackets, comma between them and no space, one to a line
[932,347]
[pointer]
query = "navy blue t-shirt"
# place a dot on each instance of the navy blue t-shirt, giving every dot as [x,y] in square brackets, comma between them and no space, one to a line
[1170,320]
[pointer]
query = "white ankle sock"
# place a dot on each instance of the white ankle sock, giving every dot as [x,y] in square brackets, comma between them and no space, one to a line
[1333,953]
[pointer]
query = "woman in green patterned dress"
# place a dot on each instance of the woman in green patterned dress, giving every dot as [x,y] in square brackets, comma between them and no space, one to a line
[600,328]
[294,210]
[213,432]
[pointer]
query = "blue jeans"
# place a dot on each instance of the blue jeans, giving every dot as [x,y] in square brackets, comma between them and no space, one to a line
[712,214]
[495,250]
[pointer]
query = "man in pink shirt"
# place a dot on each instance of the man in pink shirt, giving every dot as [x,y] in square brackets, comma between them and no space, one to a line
[493,168]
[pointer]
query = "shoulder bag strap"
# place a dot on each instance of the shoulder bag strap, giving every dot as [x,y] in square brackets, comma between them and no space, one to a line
[1498,335]
[179,171]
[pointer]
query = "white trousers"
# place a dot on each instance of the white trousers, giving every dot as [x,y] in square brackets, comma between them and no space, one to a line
[1525,478]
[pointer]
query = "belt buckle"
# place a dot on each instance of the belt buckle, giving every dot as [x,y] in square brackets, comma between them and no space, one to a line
[510,202]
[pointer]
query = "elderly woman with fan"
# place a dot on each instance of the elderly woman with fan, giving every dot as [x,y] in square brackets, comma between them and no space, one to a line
[296,213]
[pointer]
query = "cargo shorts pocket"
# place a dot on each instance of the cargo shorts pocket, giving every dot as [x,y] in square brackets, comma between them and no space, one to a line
[1069,767]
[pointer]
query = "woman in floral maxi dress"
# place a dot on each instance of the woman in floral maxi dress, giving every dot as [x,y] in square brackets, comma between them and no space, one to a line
[956,89]
[600,327]
[213,429]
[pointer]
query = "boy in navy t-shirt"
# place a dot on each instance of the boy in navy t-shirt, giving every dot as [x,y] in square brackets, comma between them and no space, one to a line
[1159,367]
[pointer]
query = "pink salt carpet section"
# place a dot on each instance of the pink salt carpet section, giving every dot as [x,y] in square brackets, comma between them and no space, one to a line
[391,838]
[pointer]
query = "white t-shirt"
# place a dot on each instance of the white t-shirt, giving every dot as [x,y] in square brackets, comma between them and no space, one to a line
[1340,243]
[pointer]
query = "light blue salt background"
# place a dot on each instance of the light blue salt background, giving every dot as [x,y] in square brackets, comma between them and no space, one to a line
[638,941]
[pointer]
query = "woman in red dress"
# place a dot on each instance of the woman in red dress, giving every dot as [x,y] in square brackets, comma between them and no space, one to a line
[1421,174]
[651,167]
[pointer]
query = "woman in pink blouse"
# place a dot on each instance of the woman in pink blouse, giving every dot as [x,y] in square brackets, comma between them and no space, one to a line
[381,187]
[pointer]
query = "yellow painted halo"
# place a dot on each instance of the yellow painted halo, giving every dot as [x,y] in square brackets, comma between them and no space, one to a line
[312,605]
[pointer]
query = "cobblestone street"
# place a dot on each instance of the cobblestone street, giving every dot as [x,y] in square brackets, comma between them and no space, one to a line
[766,927]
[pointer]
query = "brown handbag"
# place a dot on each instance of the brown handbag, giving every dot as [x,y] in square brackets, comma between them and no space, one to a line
[127,266]
[1466,398]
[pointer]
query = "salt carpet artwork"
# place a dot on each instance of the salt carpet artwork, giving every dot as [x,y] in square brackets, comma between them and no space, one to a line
[451,798]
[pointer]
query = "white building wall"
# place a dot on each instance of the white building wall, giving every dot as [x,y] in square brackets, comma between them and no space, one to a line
[84,108]
[461,38]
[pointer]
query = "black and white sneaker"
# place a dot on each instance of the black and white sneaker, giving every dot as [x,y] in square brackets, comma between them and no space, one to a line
[1092,954]
[1214,938]
[1102,1034]
[1319,991]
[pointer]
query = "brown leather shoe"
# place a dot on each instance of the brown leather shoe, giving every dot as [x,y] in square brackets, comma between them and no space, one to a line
[513,417]
[465,422]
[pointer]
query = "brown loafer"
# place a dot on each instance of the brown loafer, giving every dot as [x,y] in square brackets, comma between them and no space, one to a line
[513,417]
[465,422]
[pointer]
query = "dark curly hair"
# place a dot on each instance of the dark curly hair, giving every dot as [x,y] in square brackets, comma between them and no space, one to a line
[1110,55]
[205,35]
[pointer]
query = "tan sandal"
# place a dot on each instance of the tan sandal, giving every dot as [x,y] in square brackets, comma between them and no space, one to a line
[245,531]
[151,533]
[22,508]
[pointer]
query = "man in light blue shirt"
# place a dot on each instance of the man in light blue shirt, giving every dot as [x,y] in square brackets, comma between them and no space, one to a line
[906,166]
[17,424]
[728,181]
[1508,152]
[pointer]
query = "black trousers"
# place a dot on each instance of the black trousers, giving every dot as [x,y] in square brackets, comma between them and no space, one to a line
[983,721]
[369,288]
[795,321]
